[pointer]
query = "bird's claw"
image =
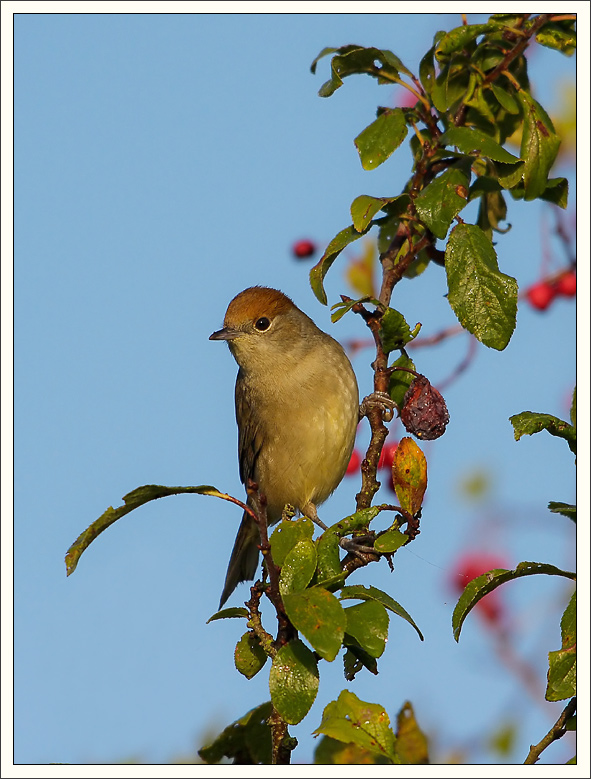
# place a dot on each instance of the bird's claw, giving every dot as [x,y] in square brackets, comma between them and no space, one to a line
[383,401]
[357,549]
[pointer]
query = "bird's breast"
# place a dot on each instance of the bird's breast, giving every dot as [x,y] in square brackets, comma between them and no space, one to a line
[306,425]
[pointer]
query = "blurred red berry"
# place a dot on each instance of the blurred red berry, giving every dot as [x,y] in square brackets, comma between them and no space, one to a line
[304,248]
[471,565]
[387,455]
[405,99]
[354,463]
[567,285]
[540,295]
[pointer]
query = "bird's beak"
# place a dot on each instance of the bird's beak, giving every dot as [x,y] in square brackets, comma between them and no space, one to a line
[225,334]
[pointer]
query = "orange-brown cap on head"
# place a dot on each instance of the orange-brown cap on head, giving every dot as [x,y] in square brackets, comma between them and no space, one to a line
[256,302]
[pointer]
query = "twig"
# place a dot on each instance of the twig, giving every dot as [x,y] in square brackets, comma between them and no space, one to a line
[255,622]
[538,22]
[282,743]
[463,365]
[566,240]
[286,630]
[556,731]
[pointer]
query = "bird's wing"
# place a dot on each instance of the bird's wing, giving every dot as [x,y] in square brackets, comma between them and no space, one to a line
[250,437]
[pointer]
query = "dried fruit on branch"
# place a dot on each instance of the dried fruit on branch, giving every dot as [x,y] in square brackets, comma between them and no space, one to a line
[424,413]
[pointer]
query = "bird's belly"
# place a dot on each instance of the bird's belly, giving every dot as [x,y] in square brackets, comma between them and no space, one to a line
[307,465]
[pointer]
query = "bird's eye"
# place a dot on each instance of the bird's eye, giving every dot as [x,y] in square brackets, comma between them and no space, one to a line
[262,324]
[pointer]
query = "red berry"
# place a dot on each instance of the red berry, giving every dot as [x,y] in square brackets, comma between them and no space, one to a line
[567,285]
[387,455]
[540,295]
[304,249]
[354,463]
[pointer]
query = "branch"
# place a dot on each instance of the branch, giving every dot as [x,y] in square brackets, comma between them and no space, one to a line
[283,743]
[286,630]
[556,731]
[255,622]
[537,23]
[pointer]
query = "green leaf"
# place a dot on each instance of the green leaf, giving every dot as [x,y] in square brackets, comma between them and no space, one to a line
[390,541]
[329,559]
[366,725]
[340,309]
[509,176]
[381,64]
[365,207]
[381,138]
[491,212]
[332,752]
[486,57]
[476,142]
[427,71]
[230,613]
[287,534]
[566,509]
[530,422]
[394,61]
[481,113]
[329,564]
[442,199]
[389,224]
[508,20]
[293,681]
[556,192]
[573,410]
[334,248]
[358,591]
[324,53]
[562,670]
[400,381]
[483,299]
[539,146]
[459,37]
[368,623]
[246,741]
[395,333]
[319,616]
[418,265]
[249,655]
[505,99]
[411,743]
[449,89]
[132,500]
[487,582]
[298,567]
[559,37]
[356,658]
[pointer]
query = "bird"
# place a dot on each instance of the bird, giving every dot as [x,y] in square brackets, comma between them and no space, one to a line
[297,411]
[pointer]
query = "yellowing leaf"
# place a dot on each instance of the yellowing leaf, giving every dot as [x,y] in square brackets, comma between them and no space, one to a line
[361,270]
[409,473]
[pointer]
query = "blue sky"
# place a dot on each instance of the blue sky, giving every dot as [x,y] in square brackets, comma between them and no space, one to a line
[164,162]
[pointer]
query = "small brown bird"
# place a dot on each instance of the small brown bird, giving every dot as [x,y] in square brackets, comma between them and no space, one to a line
[297,409]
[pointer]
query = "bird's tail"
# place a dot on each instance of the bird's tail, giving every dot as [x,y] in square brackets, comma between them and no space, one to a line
[244,558]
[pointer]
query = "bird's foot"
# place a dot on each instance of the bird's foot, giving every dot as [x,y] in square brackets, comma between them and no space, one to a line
[383,401]
[309,510]
[359,550]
